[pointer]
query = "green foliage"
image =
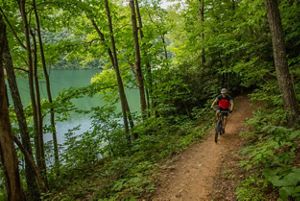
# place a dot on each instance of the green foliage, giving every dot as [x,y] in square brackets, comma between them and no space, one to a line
[287,180]
[235,41]
[134,179]
[108,130]
[81,149]
[2,188]
[250,190]
[178,90]
[157,140]
[268,153]
[271,151]
[124,173]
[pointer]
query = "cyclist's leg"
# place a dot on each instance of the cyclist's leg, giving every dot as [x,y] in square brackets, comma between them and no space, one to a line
[217,114]
[225,121]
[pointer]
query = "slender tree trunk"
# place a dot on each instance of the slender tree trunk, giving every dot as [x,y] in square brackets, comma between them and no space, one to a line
[202,32]
[138,68]
[29,160]
[8,153]
[37,119]
[111,56]
[30,65]
[139,17]
[48,87]
[130,119]
[123,99]
[33,190]
[164,46]
[233,4]
[280,61]
[145,54]
[147,91]
[102,38]
[40,152]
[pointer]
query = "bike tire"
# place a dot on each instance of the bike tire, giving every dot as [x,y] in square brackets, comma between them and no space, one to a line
[216,137]
[218,131]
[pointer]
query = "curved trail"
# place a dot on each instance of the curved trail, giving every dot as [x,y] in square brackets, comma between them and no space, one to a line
[192,174]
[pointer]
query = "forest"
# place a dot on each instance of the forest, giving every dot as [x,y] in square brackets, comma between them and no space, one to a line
[175,55]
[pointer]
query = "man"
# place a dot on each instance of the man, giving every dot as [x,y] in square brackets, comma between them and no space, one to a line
[224,102]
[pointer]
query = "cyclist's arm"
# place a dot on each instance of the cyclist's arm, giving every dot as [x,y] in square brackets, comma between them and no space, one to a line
[214,103]
[231,105]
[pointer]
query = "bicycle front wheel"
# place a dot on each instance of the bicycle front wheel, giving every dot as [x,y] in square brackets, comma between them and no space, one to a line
[216,137]
[218,131]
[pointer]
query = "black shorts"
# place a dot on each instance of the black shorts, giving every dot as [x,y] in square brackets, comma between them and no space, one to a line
[225,111]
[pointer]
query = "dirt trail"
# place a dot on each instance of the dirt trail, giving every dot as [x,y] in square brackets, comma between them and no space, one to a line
[191,174]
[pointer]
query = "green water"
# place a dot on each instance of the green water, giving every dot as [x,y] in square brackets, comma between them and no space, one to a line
[64,79]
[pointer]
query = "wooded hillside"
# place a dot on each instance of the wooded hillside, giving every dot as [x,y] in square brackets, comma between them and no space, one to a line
[177,55]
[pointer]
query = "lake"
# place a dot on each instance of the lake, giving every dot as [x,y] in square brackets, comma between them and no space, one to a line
[64,79]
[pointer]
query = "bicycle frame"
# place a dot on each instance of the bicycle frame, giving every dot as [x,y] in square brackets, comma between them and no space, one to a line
[219,125]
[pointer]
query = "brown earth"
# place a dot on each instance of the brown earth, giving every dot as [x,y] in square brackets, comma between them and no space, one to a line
[193,174]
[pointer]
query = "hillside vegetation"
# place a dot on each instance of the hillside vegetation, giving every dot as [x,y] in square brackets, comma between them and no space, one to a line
[177,55]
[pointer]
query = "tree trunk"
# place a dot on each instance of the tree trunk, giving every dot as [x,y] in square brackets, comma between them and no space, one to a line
[40,152]
[280,61]
[138,68]
[8,153]
[36,118]
[139,17]
[48,87]
[111,56]
[148,65]
[33,190]
[202,32]
[233,4]
[36,172]
[164,46]
[123,99]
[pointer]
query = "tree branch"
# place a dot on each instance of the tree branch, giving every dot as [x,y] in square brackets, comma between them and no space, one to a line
[22,69]
[12,29]
[102,38]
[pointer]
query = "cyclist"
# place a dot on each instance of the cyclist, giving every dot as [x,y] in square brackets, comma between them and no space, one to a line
[224,102]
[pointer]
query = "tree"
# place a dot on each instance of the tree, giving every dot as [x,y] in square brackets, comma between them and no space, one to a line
[35,99]
[148,76]
[7,150]
[48,86]
[39,135]
[202,34]
[138,69]
[123,99]
[280,60]
[18,107]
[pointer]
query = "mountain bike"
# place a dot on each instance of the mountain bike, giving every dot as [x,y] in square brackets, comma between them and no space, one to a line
[219,129]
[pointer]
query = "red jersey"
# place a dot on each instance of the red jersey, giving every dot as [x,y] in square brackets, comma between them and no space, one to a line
[224,102]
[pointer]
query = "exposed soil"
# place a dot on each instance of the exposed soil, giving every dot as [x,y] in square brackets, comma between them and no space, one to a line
[193,175]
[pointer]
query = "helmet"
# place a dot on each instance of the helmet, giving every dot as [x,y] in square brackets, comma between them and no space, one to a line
[224,91]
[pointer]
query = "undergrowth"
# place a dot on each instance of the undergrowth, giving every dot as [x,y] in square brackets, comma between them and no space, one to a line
[270,156]
[126,172]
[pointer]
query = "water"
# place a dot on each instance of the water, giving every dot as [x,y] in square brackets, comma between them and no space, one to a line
[64,79]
